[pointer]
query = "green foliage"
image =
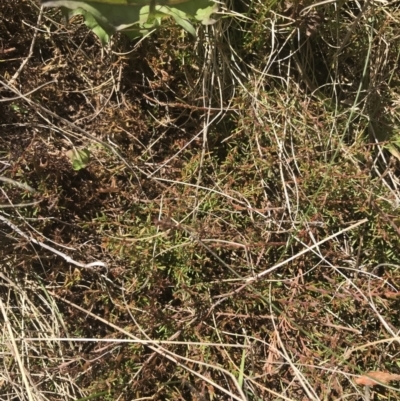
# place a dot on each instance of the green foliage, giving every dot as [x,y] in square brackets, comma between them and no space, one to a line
[91,22]
[138,18]
[79,158]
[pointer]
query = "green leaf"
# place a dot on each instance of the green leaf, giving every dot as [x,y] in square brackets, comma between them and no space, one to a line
[92,23]
[79,158]
[180,17]
[137,17]
[204,14]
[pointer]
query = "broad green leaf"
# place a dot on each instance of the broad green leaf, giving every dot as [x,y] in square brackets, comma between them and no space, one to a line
[92,23]
[137,17]
[186,25]
[204,15]
[79,158]
[180,17]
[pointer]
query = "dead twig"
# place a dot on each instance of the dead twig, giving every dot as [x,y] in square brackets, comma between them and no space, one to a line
[28,57]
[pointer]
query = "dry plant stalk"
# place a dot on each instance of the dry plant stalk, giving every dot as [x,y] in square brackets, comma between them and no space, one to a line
[374,378]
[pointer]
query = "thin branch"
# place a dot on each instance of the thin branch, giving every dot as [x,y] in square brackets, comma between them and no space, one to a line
[51,249]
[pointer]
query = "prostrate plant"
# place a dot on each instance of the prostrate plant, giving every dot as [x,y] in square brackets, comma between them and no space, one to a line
[136,17]
[79,158]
